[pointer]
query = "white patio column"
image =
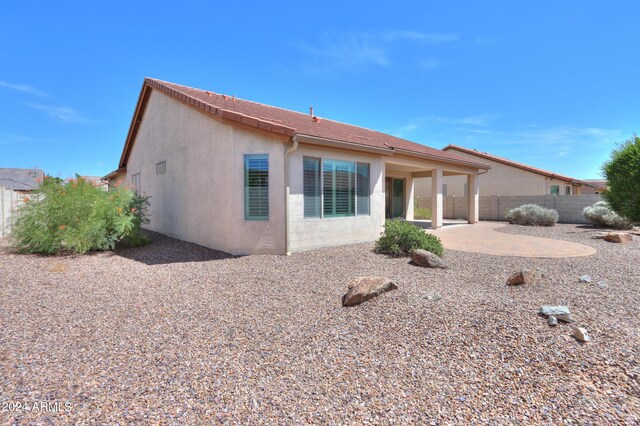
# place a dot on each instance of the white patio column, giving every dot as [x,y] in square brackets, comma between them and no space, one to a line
[409,200]
[473,197]
[436,198]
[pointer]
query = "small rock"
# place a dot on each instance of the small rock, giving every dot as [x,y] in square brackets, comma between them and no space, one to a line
[433,296]
[581,334]
[553,321]
[426,259]
[602,284]
[525,276]
[561,313]
[585,279]
[618,237]
[365,288]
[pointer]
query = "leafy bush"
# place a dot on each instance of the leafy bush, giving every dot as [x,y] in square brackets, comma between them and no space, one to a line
[421,213]
[75,216]
[532,215]
[399,238]
[623,173]
[601,214]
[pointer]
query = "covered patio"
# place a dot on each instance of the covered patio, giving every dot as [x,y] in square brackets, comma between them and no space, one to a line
[401,173]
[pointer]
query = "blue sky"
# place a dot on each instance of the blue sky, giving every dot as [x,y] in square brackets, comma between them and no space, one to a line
[551,84]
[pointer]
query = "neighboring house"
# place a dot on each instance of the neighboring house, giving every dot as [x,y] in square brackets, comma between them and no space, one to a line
[20,180]
[599,185]
[15,186]
[97,181]
[506,177]
[246,178]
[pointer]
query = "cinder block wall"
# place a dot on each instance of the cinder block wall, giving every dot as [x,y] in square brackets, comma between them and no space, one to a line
[495,207]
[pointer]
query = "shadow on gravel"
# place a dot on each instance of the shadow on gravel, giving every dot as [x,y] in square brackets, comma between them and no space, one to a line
[164,250]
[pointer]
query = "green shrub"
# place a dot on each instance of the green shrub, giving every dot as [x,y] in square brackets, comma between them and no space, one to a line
[532,215]
[623,176]
[601,214]
[399,238]
[422,213]
[75,216]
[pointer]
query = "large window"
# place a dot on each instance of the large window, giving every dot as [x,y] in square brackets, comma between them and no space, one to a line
[334,188]
[256,187]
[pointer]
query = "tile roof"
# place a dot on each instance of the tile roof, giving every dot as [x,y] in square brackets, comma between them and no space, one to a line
[20,179]
[283,121]
[511,163]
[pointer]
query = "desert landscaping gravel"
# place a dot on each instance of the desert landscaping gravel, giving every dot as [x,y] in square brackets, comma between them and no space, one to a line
[174,333]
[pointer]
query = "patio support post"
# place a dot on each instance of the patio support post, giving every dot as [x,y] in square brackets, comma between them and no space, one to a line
[473,197]
[436,198]
[409,201]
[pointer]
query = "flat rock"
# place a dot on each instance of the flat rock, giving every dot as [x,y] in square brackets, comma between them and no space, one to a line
[581,334]
[618,237]
[364,288]
[561,313]
[426,259]
[585,279]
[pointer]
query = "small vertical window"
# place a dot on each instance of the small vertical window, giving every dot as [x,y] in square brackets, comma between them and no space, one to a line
[311,186]
[567,190]
[256,187]
[555,190]
[135,181]
[444,189]
[161,168]
[362,188]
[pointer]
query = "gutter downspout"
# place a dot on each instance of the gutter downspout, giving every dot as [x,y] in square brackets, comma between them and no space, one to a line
[286,195]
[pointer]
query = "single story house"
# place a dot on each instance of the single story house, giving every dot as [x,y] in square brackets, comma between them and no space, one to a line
[248,178]
[599,186]
[506,177]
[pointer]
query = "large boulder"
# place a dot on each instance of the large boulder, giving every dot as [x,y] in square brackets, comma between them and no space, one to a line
[426,259]
[365,288]
[618,237]
[525,276]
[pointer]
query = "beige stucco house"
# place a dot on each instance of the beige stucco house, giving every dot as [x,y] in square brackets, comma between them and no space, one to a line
[506,177]
[244,177]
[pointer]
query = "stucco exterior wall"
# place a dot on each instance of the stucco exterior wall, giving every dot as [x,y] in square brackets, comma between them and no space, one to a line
[501,179]
[200,198]
[310,233]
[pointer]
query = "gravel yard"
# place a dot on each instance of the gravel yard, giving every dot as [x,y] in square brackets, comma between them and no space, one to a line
[176,333]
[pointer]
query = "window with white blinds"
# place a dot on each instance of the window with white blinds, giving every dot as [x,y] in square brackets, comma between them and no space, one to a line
[339,186]
[256,187]
[311,184]
[334,188]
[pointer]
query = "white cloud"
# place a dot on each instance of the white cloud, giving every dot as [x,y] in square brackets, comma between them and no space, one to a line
[430,38]
[351,51]
[62,113]
[24,88]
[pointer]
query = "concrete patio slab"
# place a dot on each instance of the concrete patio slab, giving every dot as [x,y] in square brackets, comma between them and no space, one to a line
[483,237]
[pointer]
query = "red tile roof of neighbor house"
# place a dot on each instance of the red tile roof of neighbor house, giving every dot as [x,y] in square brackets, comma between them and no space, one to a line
[282,121]
[511,163]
